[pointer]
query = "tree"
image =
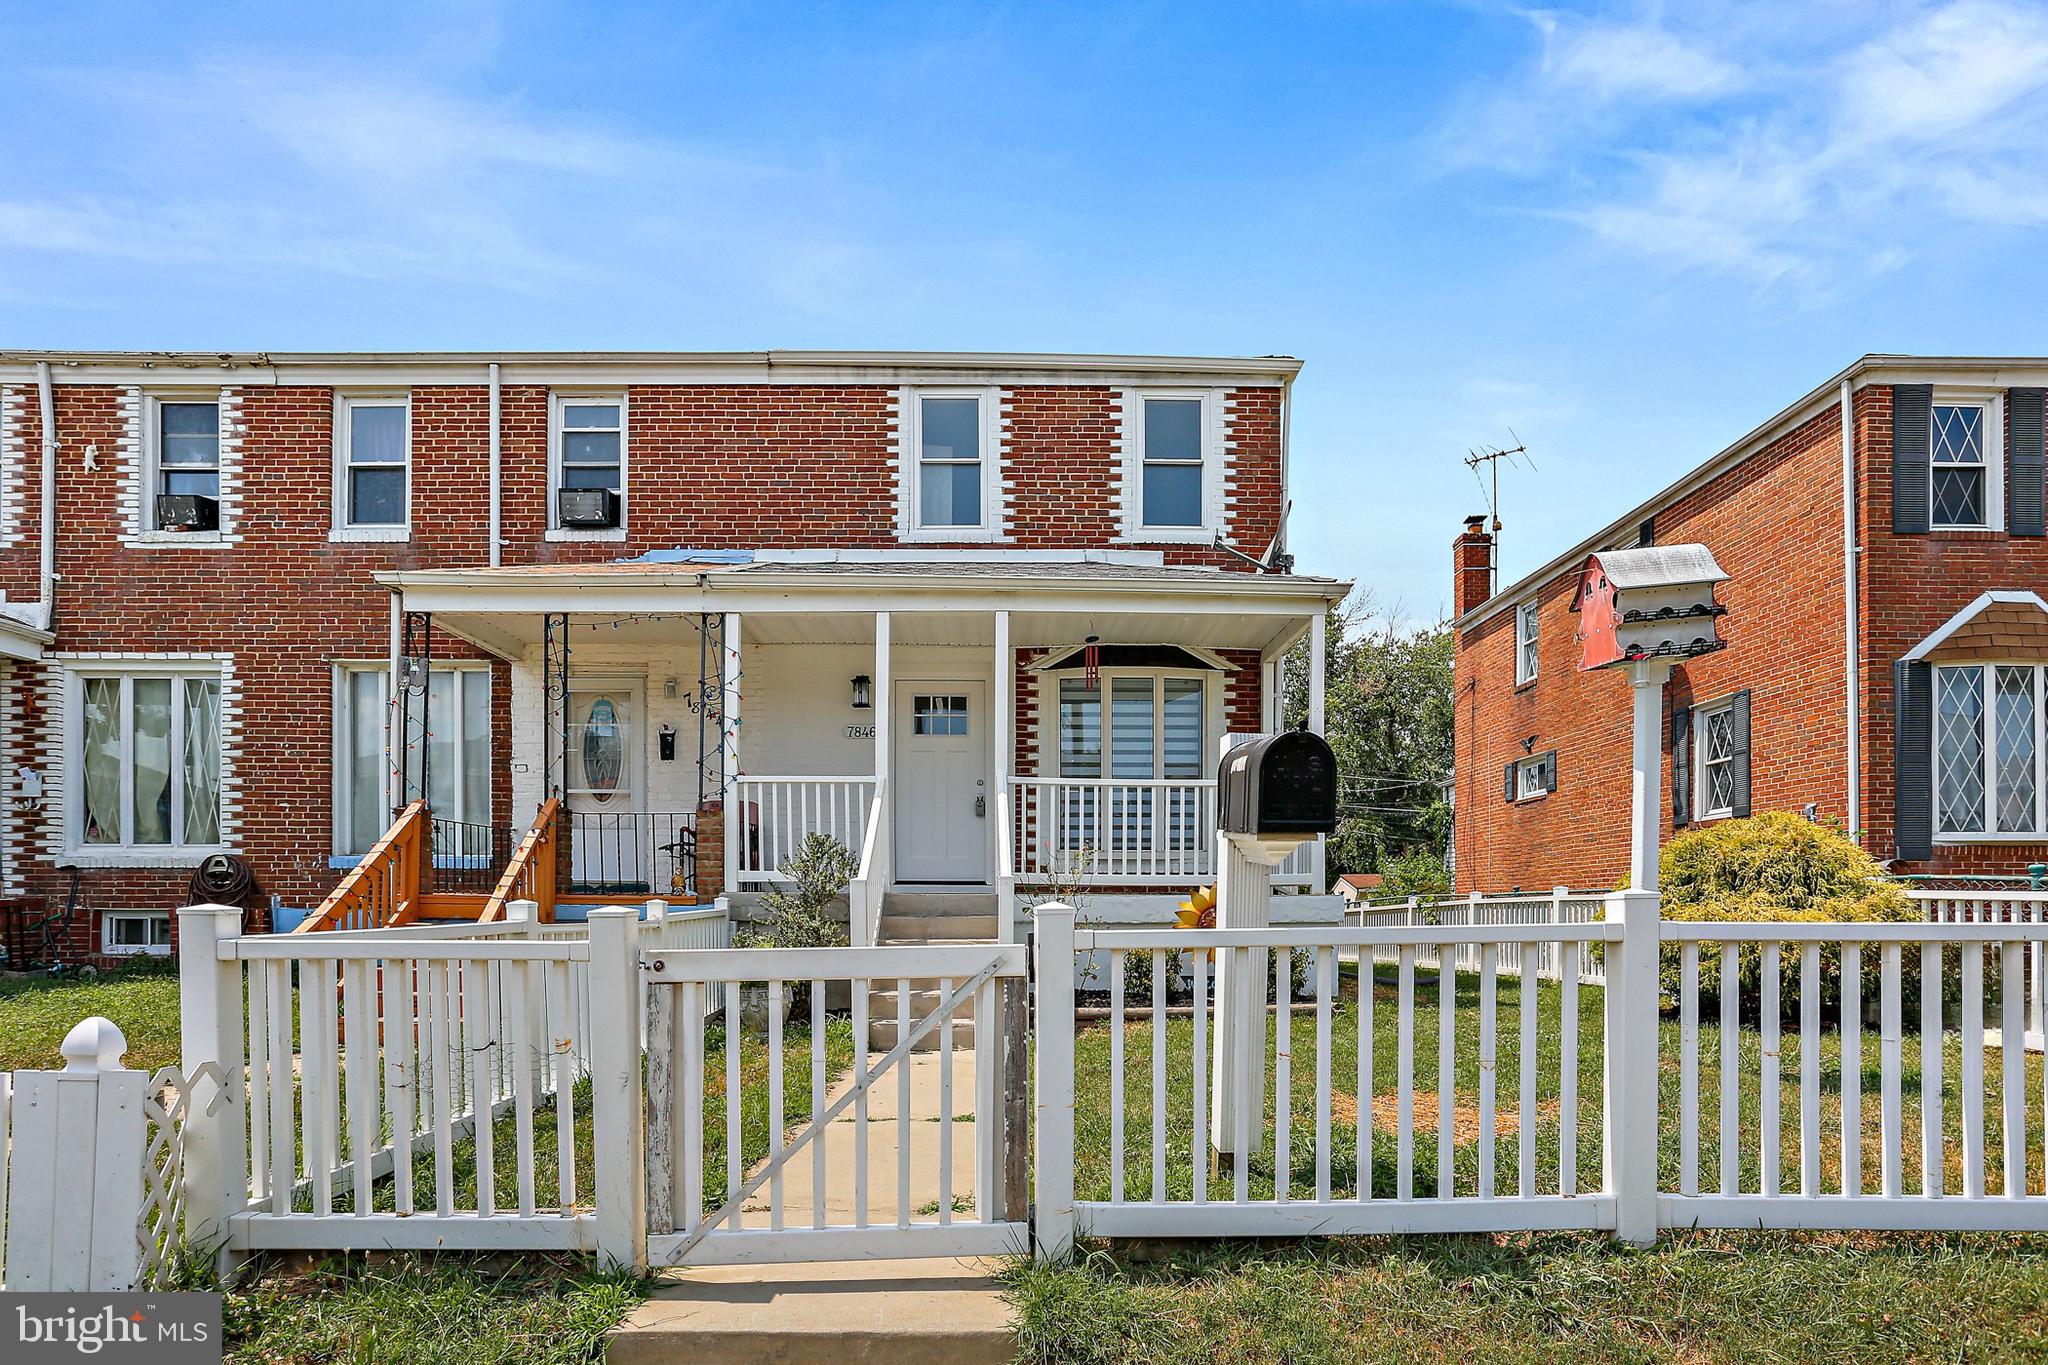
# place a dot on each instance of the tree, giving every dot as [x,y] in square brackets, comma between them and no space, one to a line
[1387,714]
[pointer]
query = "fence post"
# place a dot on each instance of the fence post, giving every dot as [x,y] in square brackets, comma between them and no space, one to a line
[1053,963]
[1629,1151]
[210,1032]
[615,1088]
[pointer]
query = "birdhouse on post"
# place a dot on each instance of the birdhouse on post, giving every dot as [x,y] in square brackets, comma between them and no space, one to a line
[1652,603]
[1649,609]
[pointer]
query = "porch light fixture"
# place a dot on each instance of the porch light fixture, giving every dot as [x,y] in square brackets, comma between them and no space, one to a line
[863,693]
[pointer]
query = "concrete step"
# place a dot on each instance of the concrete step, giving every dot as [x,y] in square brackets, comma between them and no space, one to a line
[963,928]
[947,1312]
[924,999]
[882,1036]
[925,903]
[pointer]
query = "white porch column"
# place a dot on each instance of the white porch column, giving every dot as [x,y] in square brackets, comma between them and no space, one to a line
[729,742]
[1270,674]
[1646,807]
[885,714]
[1317,638]
[1004,743]
[394,742]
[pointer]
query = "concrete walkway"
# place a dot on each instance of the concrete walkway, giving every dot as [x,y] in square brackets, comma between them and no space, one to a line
[846,1312]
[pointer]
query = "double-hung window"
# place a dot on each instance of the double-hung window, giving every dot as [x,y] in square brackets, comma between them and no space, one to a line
[1172,482]
[146,747]
[458,758]
[373,436]
[951,482]
[1525,643]
[589,441]
[1963,464]
[1988,750]
[183,437]
[1150,740]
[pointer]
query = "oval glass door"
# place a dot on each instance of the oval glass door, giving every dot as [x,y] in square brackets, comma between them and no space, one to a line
[607,850]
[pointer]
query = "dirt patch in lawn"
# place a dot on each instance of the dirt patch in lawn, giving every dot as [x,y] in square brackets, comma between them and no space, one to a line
[1386,1114]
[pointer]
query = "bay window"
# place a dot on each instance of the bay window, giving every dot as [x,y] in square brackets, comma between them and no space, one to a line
[146,746]
[1988,750]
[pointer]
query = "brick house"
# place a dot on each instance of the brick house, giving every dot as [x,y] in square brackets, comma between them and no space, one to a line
[256,603]
[1886,636]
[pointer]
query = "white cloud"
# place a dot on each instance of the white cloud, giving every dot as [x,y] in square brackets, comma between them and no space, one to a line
[1809,171]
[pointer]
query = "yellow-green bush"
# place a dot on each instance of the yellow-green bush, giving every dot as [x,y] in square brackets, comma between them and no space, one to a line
[1777,868]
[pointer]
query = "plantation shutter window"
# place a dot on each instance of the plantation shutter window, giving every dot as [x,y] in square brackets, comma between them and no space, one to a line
[2026,462]
[1911,404]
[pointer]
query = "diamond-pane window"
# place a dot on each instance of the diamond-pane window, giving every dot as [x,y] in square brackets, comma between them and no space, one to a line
[1959,470]
[1959,749]
[2013,716]
[1717,760]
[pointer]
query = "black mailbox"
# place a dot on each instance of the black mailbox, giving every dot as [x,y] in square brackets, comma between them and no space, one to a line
[1284,784]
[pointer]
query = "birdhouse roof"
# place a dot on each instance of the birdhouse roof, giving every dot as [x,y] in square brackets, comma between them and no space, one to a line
[1653,566]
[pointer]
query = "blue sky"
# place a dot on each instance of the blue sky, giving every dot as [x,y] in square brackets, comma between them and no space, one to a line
[1626,233]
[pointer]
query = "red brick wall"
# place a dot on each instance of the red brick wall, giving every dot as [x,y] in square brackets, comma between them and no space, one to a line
[709,466]
[1774,524]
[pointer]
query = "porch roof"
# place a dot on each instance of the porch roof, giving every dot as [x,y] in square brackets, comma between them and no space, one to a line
[936,600]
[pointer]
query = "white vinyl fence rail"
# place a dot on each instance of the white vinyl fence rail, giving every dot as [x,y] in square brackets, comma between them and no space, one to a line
[1561,906]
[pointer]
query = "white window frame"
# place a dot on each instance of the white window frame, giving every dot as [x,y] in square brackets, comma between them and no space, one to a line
[1211,722]
[1993,403]
[345,405]
[1135,526]
[571,398]
[1528,769]
[150,472]
[910,459]
[1985,834]
[340,732]
[1701,786]
[1528,632]
[175,853]
[157,945]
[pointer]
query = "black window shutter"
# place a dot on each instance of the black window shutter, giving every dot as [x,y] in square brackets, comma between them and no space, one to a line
[2026,462]
[1912,418]
[1740,763]
[1681,765]
[1913,760]
[1550,771]
[1511,782]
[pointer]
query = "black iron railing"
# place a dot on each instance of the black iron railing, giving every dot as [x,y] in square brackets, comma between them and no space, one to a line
[468,859]
[629,853]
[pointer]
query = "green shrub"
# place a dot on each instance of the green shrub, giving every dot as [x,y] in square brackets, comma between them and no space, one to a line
[1779,868]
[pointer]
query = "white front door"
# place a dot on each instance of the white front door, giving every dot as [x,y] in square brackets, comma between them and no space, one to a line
[608,843]
[942,799]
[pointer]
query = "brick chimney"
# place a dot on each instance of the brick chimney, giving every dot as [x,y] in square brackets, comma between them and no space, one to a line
[1473,555]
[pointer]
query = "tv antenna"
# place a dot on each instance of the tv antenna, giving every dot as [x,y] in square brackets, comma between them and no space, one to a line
[1489,484]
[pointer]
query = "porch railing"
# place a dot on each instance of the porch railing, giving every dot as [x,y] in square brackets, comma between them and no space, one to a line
[630,854]
[383,889]
[871,878]
[468,859]
[1107,831]
[778,813]
[530,875]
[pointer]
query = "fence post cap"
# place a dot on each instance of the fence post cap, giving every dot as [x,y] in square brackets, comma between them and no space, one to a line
[615,912]
[657,910]
[522,910]
[94,1044]
[1046,908]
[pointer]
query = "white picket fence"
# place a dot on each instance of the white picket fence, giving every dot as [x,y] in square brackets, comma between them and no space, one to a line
[412,1090]
[1560,906]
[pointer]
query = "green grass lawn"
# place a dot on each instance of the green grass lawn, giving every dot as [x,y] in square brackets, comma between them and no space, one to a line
[1557,1297]
[37,1011]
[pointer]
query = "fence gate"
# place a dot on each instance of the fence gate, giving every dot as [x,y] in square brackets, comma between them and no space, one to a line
[915,1142]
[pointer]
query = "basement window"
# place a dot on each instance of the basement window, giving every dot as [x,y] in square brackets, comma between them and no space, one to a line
[126,934]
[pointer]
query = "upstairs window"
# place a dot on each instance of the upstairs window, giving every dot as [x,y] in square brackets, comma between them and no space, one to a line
[1172,462]
[589,441]
[374,436]
[1525,643]
[184,458]
[1988,778]
[949,462]
[1960,466]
